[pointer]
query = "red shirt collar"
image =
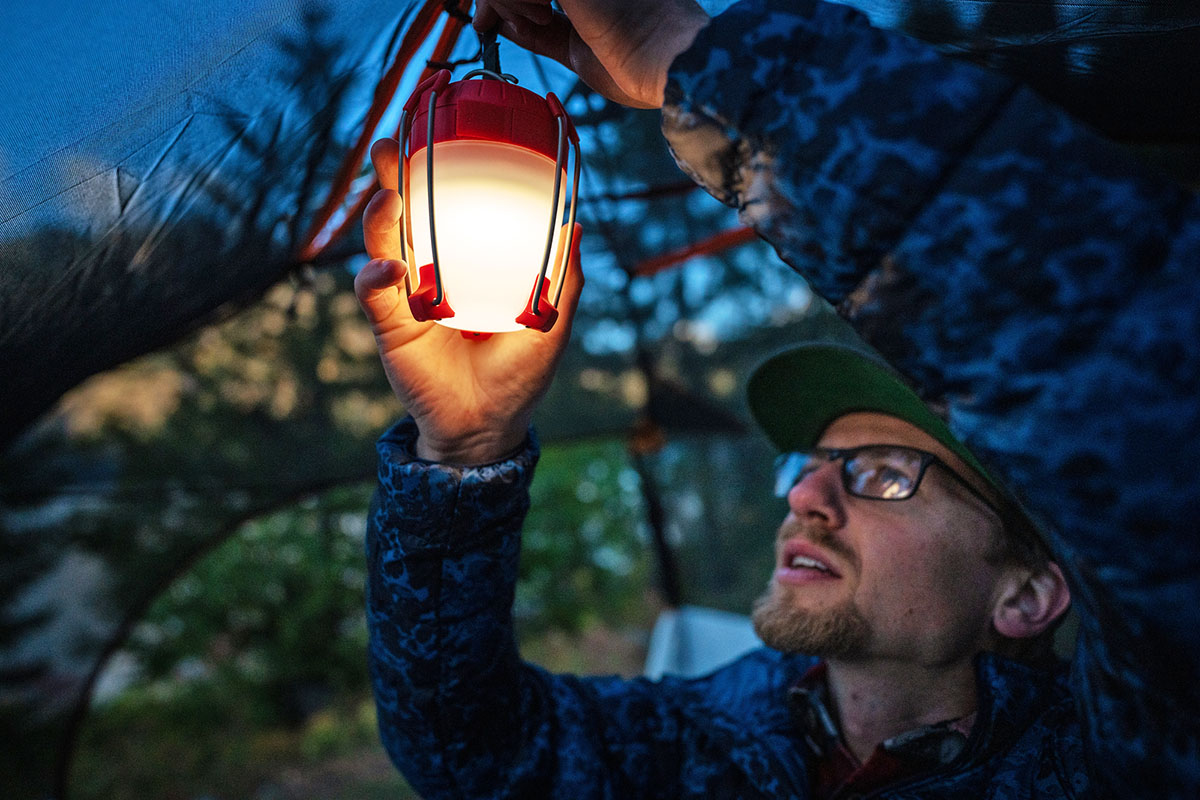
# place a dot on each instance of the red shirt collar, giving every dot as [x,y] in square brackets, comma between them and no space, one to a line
[834,768]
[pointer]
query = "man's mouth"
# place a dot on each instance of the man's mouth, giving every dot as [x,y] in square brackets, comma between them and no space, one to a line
[802,561]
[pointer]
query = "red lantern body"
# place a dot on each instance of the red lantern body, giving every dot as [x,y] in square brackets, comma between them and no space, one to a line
[484,222]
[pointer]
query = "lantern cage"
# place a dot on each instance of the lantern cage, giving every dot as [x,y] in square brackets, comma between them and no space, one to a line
[491,263]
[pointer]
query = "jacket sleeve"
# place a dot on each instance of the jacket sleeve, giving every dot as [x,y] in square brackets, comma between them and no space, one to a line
[1026,275]
[459,713]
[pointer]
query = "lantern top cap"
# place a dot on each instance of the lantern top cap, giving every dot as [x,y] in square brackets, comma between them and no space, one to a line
[492,109]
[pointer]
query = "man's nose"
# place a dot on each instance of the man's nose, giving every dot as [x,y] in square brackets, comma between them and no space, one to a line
[819,496]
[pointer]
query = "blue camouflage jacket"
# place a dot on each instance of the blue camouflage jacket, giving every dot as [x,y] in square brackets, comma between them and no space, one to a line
[462,716]
[1028,277]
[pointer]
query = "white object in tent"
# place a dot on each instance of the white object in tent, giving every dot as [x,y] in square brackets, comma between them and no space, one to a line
[691,641]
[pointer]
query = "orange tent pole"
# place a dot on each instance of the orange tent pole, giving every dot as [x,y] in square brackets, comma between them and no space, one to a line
[713,244]
[417,33]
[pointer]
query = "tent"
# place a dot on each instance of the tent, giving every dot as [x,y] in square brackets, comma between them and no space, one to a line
[164,165]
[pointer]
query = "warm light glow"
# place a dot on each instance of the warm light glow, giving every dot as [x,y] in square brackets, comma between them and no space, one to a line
[492,210]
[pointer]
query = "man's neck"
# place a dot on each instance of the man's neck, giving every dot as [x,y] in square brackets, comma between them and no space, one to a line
[875,702]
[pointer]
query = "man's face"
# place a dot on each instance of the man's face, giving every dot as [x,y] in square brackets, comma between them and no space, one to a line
[860,579]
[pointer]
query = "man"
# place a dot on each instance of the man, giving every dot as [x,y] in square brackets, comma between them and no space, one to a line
[1033,281]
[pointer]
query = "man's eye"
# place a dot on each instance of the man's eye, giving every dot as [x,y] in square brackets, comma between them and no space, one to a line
[883,481]
[893,483]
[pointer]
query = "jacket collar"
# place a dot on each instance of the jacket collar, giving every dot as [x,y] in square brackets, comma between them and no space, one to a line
[758,731]
[1012,696]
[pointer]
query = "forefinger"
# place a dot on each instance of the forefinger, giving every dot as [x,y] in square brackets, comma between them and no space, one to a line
[385,158]
[381,225]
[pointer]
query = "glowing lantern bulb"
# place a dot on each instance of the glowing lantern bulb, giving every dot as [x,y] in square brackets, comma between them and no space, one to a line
[484,224]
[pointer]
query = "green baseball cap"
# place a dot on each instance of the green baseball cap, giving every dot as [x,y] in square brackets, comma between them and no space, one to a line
[795,395]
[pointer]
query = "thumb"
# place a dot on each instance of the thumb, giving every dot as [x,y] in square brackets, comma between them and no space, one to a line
[582,60]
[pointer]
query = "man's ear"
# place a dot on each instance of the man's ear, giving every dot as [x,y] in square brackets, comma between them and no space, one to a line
[1031,601]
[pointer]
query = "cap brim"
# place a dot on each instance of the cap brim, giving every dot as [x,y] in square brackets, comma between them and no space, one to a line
[795,395]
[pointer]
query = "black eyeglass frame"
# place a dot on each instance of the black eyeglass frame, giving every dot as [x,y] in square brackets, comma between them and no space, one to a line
[846,454]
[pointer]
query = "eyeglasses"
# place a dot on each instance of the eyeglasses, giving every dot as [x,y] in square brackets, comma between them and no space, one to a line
[873,471]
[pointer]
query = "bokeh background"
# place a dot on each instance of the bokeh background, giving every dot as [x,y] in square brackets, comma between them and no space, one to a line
[189,396]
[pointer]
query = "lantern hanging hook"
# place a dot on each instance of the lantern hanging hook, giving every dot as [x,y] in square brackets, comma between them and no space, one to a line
[489,49]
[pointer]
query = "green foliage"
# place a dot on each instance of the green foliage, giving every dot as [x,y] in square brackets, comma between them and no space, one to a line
[253,661]
[276,612]
[584,559]
[252,669]
[208,739]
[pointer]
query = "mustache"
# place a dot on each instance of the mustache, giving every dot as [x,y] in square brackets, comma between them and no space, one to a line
[818,535]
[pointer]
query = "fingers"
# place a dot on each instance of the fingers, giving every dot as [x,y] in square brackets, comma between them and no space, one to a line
[379,284]
[550,38]
[573,280]
[381,219]
[381,225]
[485,17]
[558,39]
[489,13]
[377,287]
[385,158]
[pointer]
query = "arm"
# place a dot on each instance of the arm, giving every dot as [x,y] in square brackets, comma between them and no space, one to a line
[441,554]
[458,711]
[1022,271]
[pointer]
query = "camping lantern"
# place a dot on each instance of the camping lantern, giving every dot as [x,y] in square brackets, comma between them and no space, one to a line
[482,168]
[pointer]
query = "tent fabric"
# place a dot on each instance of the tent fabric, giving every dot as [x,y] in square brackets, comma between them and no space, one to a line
[159,162]
[103,96]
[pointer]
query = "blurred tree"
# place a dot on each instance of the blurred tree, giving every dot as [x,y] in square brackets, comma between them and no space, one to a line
[142,472]
[276,611]
[139,472]
[584,556]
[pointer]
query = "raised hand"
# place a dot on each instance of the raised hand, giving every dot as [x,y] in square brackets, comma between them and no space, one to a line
[472,400]
[621,48]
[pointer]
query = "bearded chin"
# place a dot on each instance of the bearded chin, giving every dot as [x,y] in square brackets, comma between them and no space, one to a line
[839,632]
